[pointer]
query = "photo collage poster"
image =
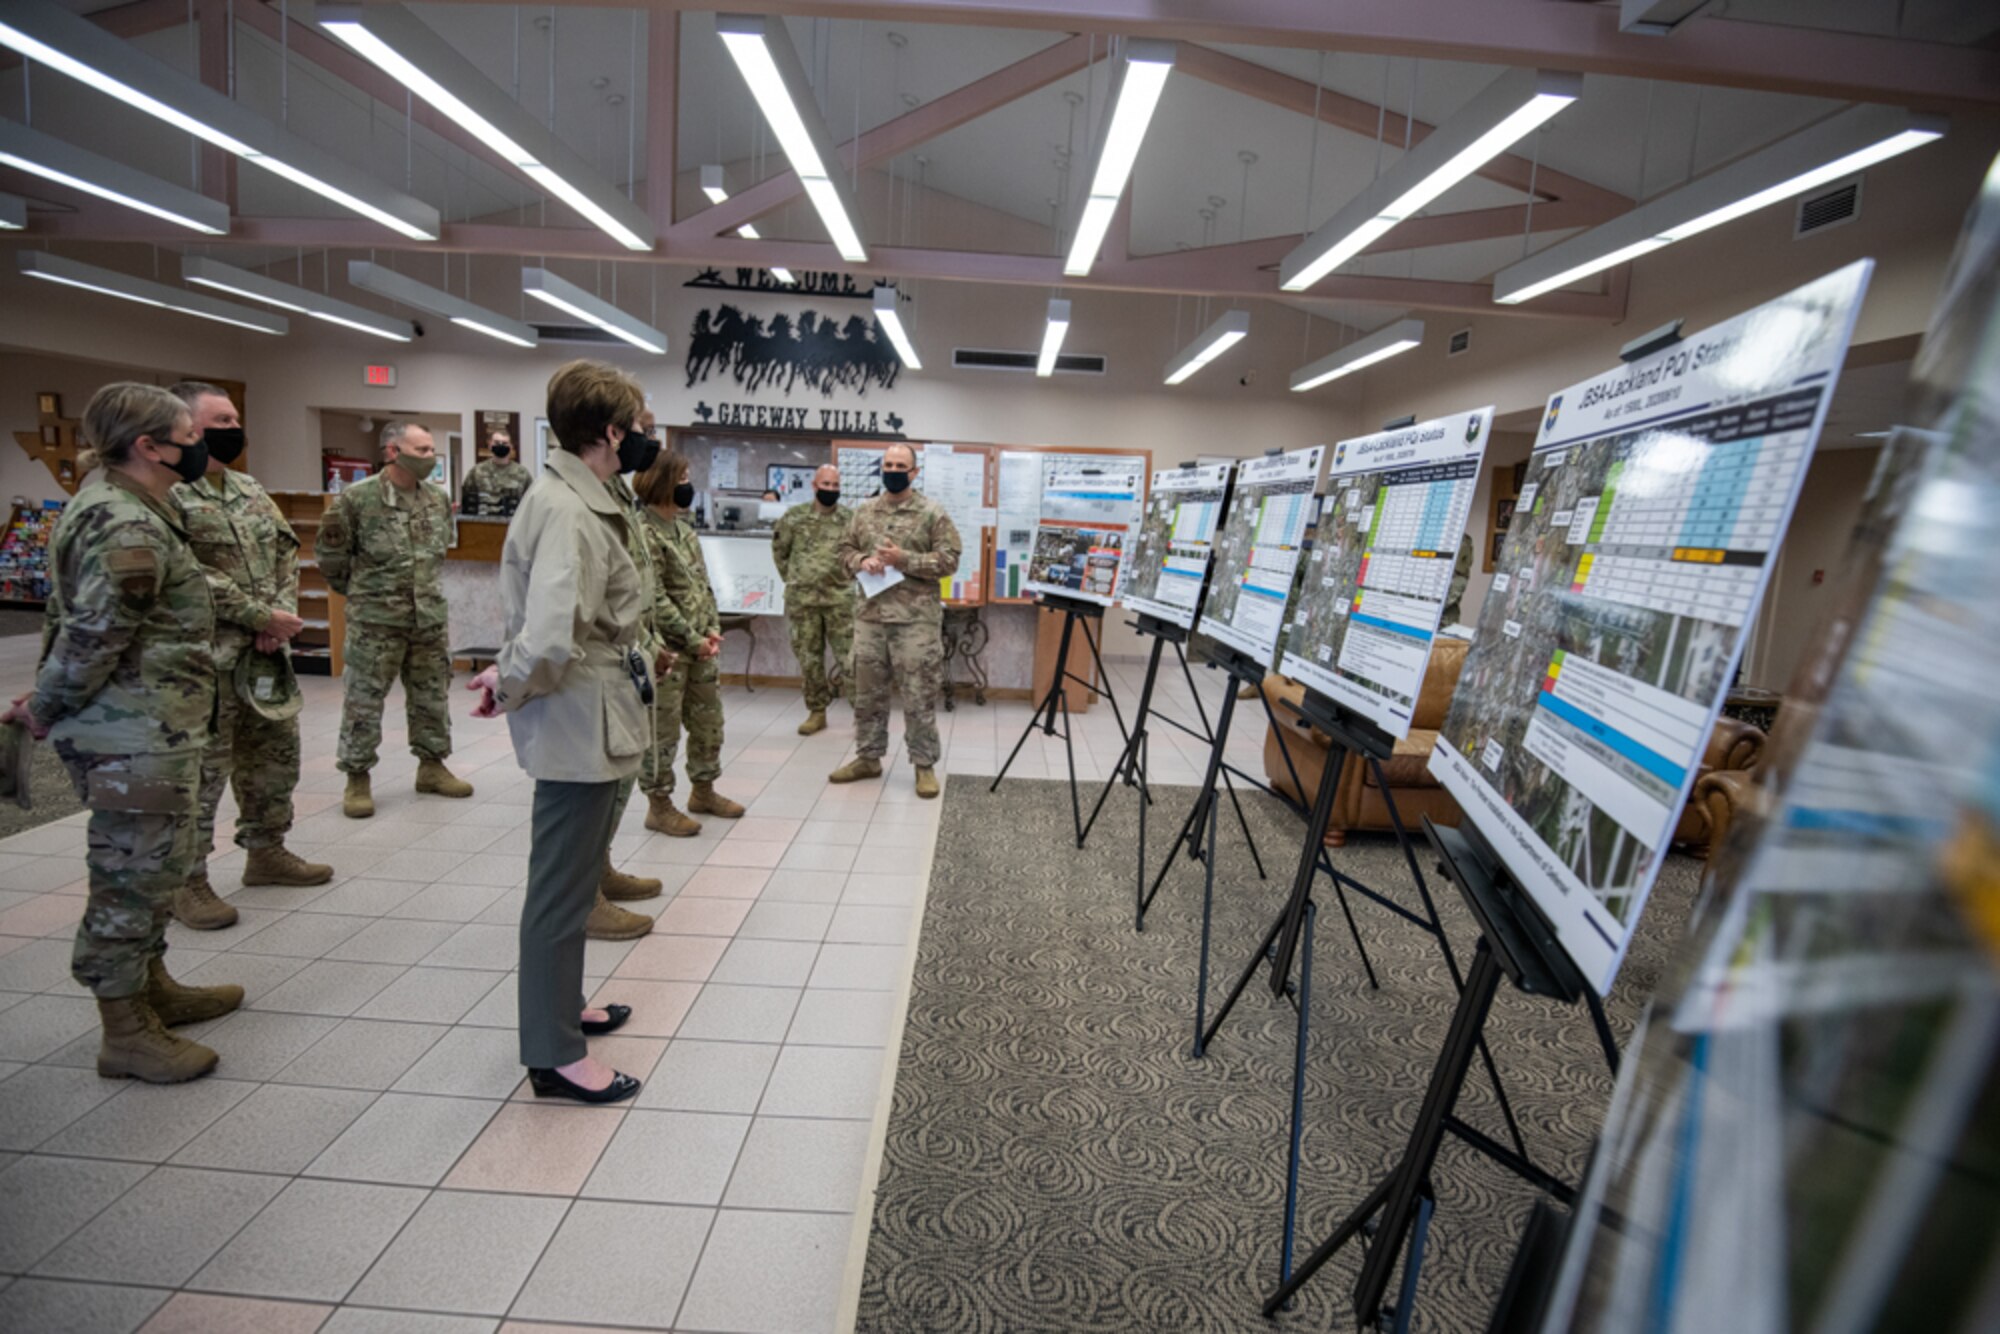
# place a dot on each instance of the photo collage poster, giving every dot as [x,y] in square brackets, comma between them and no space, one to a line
[1380,571]
[1656,499]
[1257,551]
[1169,560]
[1089,511]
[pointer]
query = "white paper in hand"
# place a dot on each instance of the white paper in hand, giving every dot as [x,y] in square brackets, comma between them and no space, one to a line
[872,584]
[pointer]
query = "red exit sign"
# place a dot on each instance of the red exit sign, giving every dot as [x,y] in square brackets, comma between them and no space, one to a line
[379,377]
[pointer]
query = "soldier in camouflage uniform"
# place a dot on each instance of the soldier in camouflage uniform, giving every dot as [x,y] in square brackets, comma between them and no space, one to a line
[496,483]
[382,545]
[126,691]
[250,556]
[685,618]
[819,593]
[898,633]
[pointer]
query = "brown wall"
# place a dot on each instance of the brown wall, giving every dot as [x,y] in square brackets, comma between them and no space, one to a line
[1829,503]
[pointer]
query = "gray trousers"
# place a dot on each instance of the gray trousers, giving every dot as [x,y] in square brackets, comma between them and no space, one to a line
[572,833]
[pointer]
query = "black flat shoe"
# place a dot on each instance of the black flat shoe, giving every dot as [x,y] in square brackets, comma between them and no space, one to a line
[549,1084]
[618,1014]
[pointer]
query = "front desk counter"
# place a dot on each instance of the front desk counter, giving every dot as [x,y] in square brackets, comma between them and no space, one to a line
[746,583]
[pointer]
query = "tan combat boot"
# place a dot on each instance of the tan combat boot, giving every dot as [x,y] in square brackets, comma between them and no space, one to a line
[855,770]
[434,778]
[815,722]
[279,865]
[615,884]
[176,1003]
[137,1046]
[608,921]
[927,783]
[195,906]
[358,802]
[663,817]
[705,800]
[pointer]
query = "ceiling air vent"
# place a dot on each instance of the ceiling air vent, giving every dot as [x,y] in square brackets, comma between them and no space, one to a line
[576,333]
[1829,208]
[990,359]
[1460,341]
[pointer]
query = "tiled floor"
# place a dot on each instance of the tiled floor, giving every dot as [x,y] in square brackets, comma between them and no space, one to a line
[366,1157]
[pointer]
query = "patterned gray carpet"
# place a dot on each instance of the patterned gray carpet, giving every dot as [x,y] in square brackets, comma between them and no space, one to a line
[1056,1161]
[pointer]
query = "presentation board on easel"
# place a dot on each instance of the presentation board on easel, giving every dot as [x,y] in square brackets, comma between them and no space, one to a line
[1087,517]
[1021,474]
[1656,499]
[1168,564]
[1367,612]
[957,477]
[1257,551]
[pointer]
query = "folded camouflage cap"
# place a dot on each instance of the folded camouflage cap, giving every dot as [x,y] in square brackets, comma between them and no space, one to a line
[267,685]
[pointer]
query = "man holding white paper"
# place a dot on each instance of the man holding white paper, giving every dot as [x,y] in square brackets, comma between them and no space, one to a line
[900,547]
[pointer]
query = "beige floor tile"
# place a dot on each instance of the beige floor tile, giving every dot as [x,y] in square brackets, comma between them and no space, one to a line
[536,1150]
[669,958]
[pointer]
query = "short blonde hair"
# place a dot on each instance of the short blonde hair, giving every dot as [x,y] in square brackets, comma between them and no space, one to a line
[118,414]
[587,399]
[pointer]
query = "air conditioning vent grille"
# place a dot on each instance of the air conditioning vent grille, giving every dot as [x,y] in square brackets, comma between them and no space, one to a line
[1460,341]
[996,359]
[1829,208]
[576,333]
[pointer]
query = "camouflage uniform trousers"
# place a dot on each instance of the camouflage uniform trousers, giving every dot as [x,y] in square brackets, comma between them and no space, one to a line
[690,695]
[376,656]
[141,849]
[261,757]
[910,655]
[813,631]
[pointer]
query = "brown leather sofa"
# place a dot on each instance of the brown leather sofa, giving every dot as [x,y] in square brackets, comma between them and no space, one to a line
[1358,803]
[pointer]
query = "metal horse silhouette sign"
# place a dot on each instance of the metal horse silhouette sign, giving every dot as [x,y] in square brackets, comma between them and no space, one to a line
[824,353]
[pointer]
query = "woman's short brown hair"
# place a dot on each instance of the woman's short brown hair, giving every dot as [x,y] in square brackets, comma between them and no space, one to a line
[118,414]
[587,399]
[655,486]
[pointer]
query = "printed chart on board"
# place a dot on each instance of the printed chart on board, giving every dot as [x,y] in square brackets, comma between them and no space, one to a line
[744,577]
[1089,511]
[954,479]
[1380,569]
[1257,551]
[1655,502]
[1169,560]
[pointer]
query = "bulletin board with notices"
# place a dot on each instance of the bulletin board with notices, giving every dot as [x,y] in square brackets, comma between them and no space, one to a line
[959,478]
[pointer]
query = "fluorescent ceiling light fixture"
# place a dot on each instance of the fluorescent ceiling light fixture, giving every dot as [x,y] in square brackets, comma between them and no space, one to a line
[13,213]
[1842,144]
[1502,113]
[712,186]
[1211,343]
[567,296]
[1052,337]
[66,164]
[1142,77]
[372,277]
[108,282]
[763,51]
[1378,346]
[73,45]
[411,52]
[891,320]
[242,282]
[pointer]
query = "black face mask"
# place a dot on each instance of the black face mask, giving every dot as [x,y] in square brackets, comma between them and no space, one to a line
[502,451]
[684,495]
[895,483]
[225,443]
[192,463]
[827,498]
[637,451]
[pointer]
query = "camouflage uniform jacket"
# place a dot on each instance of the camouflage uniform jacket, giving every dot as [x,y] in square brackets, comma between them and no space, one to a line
[494,488]
[127,667]
[383,548]
[683,602]
[805,546]
[248,551]
[921,528]
[636,534]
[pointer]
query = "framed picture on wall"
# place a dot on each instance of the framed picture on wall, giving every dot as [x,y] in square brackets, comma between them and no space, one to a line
[49,405]
[541,444]
[51,436]
[792,483]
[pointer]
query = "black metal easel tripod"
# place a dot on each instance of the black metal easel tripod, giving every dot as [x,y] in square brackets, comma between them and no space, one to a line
[1134,763]
[1515,940]
[1075,612]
